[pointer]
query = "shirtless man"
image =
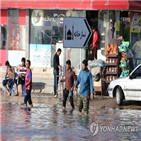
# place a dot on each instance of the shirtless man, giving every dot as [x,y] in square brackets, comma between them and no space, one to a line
[9,77]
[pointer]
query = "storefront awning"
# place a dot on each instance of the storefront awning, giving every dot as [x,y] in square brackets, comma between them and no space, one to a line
[73,4]
[111,4]
[135,5]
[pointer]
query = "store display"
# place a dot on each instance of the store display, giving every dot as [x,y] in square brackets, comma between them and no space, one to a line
[123,62]
[110,78]
[111,69]
[108,49]
[112,63]
[115,49]
[112,49]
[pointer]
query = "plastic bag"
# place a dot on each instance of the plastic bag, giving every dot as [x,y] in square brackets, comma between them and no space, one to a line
[96,63]
[123,48]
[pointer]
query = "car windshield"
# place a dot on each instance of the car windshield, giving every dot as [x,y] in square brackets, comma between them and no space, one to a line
[137,73]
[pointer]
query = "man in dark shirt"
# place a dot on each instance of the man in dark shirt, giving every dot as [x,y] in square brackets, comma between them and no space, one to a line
[69,80]
[57,67]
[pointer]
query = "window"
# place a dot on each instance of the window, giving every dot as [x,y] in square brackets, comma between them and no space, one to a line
[137,73]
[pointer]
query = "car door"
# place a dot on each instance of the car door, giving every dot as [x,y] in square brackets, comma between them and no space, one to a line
[133,85]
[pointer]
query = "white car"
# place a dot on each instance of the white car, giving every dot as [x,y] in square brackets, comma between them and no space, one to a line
[127,88]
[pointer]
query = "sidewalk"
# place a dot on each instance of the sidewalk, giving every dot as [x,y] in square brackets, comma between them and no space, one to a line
[39,85]
[47,99]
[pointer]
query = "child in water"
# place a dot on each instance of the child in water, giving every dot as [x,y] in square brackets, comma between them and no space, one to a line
[28,85]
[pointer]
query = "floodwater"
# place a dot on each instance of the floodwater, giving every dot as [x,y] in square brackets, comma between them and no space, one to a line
[49,123]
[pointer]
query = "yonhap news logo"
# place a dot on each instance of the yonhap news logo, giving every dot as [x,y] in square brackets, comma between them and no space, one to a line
[95,128]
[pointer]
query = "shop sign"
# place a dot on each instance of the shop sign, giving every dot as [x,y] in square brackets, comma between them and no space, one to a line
[44,17]
[135,25]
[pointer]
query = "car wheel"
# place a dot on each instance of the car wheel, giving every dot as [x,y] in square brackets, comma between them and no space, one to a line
[119,96]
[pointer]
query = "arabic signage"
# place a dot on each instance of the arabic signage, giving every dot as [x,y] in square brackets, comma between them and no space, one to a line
[135,24]
[44,17]
[77,32]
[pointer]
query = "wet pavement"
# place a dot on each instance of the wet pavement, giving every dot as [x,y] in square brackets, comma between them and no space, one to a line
[47,122]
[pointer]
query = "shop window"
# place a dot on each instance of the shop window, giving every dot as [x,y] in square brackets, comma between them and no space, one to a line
[60,34]
[47,37]
[55,34]
[16,31]
[46,26]
[16,34]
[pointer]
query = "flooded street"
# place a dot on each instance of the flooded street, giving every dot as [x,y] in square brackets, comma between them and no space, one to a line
[47,122]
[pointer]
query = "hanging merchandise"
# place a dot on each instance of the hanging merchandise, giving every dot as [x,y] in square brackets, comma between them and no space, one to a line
[124,73]
[123,62]
[123,48]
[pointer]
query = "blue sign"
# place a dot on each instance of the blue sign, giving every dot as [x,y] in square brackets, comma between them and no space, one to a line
[77,32]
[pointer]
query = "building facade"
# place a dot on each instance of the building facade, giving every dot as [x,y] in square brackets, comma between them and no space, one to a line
[35,29]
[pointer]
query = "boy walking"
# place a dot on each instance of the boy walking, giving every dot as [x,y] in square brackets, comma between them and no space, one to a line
[69,80]
[86,88]
[28,85]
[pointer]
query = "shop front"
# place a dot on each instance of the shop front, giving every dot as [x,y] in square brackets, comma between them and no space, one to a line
[46,36]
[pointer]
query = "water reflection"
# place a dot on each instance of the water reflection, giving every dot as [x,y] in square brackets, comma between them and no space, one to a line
[46,122]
